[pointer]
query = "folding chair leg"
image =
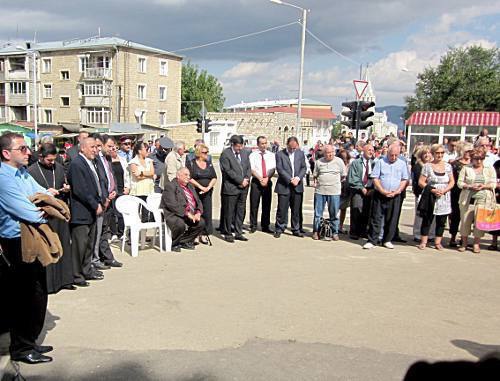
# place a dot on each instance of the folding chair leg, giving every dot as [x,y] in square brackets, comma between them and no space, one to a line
[134,242]
[124,237]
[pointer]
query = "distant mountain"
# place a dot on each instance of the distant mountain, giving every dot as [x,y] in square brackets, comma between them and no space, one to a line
[394,114]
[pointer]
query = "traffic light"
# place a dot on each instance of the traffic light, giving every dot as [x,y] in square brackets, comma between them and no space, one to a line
[363,114]
[199,126]
[208,124]
[351,114]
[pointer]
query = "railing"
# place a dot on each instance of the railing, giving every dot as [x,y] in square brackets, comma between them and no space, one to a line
[97,73]
[96,100]
[18,100]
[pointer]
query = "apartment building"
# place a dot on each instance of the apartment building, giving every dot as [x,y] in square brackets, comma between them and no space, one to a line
[93,82]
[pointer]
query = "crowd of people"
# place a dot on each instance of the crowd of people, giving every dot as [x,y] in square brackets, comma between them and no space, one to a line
[370,176]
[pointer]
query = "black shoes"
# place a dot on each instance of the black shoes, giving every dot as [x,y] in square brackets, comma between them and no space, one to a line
[176,249]
[252,230]
[68,287]
[44,348]
[32,357]
[398,239]
[229,238]
[268,231]
[113,263]
[82,284]
[95,276]
[100,266]
[353,237]
[187,246]
[298,234]
[277,234]
[241,238]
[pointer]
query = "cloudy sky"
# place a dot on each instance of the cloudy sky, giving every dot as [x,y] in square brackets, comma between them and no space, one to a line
[390,35]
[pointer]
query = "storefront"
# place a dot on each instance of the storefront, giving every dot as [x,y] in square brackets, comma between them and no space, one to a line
[434,126]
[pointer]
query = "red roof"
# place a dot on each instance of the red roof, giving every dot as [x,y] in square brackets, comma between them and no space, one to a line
[306,112]
[454,118]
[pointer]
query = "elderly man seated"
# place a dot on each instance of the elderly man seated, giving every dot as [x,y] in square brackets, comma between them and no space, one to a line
[183,210]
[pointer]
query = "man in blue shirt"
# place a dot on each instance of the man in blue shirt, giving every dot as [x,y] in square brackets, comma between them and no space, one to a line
[390,176]
[22,285]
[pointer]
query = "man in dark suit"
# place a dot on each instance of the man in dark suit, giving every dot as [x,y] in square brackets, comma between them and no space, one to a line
[73,151]
[183,211]
[86,205]
[291,168]
[236,172]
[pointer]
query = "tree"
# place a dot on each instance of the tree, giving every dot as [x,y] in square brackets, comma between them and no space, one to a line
[466,79]
[336,130]
[196,86]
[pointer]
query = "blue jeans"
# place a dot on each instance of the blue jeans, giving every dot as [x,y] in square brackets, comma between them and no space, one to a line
[333,209]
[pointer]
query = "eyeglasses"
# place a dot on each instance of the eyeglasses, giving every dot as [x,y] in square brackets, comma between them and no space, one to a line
[126,143]
[22,149]
[205,152]
[439,152]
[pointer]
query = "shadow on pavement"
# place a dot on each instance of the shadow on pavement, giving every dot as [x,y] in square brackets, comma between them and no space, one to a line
[476,349]
[49,325]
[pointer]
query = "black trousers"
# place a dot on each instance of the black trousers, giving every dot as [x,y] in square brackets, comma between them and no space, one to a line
[257,191]
[384,211]
[83,239]
[206,201]
[427,222]
[360,213]
[105,253]
[233,211]
[455,213]
[293,200]
[184,230]
[23,291]
[402,198]
[117,224]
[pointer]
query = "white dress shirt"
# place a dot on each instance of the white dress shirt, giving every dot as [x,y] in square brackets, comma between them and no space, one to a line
[291,155]
[256,162]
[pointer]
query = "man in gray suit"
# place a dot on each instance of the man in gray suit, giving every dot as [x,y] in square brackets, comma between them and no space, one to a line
[236,172]
[291,168]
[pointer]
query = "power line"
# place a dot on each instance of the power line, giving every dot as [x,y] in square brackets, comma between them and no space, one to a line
[330,48]
[237,37]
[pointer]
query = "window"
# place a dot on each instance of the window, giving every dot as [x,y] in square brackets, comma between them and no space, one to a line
[163,93]
[163,119]
[17,88]
[17,63]
[141,65]
[65,75]
[46,65]
[2,89]
[102,61]
[48,116]
[47,90]
[141,118]
[163,67]
[83,63]
[64,101]
[141,91]
[96,89]
[2,65]
[97,115]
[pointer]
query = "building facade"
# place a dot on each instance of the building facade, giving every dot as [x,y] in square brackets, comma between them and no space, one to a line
[93,82]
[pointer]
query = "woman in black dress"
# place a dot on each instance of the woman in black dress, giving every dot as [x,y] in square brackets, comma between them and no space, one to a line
[203,178]
[50,174]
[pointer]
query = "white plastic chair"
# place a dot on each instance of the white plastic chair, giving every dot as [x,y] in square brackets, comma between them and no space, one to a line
[130,208]
[153,202]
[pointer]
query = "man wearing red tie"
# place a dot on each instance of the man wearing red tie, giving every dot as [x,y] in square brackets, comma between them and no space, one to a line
[263,165]
[361,187]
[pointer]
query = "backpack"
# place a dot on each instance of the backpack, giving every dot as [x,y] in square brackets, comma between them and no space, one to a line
[325,229]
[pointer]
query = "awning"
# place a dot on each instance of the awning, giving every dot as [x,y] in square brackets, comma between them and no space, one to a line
[454,118]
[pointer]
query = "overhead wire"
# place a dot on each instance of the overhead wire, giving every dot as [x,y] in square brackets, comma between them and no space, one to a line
[237,37]
[330,48]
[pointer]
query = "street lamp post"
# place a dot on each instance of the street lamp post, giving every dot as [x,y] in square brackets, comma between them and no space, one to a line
[35,93]
[301,70]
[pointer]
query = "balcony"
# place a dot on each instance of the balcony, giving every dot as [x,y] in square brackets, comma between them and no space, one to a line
[94,73]
[17,74]
[18,100]
[2,99]
[95,101]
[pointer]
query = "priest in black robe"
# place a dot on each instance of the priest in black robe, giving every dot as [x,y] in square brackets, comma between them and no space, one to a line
[49,173]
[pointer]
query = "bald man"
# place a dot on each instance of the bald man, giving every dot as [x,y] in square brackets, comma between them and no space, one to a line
[390,177]
[86,205]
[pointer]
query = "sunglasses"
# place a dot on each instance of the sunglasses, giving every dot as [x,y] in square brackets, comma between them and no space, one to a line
[439,153]
[22,149]
[205,152]
[126,143]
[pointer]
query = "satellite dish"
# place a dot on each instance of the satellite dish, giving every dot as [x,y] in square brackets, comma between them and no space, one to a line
[138,113]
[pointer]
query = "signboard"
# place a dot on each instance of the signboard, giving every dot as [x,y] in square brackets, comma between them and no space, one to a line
[360,87]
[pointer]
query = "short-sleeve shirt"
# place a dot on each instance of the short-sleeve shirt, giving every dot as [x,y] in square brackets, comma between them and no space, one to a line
[329,175]
[390,174]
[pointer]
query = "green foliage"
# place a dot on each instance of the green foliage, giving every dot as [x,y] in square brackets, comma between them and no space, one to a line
[336,130]
[196,86]
[466,79]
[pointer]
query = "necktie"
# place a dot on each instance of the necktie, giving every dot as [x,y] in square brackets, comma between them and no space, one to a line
[109,173]
[96,176]
[238,157]
[365,177]
[264,171]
